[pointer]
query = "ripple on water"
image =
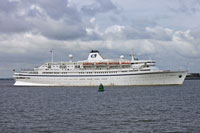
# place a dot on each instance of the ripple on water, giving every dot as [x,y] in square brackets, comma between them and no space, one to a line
[169,109]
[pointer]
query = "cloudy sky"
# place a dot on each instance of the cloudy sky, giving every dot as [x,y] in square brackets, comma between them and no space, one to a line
[165,30]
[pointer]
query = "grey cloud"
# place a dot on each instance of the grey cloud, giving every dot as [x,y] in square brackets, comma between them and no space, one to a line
[6,6]
[58,30]
[159,33]
[121,32]
[10,22]
[185,6]
[65,32]
[196,33]
[92,37]
[130,33]
[71,26]
[48,22]
[13,24]
[58,9]
[142,22]
[136,33]
[100,6]
[56,21]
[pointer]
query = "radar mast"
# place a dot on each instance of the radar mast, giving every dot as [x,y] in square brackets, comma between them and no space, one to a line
[51,55]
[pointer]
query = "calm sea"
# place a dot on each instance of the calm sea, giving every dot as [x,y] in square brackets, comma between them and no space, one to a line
[159,109]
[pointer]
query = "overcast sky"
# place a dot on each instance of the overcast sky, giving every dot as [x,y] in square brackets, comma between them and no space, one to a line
[165,30]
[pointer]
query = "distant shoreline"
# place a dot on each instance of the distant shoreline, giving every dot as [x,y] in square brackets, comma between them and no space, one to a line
[193,76]
[6,79]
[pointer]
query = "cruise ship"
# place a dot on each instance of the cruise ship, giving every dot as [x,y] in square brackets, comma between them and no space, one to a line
[98,70]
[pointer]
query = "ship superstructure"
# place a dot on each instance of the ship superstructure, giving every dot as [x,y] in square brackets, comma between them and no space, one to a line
[96,70]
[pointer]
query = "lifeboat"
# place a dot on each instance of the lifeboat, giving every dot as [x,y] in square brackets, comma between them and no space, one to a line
[113,63]
[88,64]
[126,63]
[101,63]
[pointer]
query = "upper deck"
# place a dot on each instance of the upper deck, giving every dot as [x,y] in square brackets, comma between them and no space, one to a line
[95,63]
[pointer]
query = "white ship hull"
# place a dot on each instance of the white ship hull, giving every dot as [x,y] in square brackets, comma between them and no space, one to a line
[130,79]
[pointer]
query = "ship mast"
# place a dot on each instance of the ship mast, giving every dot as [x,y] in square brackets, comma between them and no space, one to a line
[51,55]
[132,56]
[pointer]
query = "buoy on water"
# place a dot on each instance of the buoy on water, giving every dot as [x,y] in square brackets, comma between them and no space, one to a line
[101,88]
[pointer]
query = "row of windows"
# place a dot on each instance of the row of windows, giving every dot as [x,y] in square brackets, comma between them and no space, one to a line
[47,73]
[33,72]
[61,79]
[54,72]
[83,72]
[96,72]
[22,77]
[58,66]
[56,69]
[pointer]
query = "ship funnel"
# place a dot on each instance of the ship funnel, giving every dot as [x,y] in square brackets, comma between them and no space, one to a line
[95,56]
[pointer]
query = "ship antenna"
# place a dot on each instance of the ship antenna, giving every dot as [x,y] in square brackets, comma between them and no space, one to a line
[51,55]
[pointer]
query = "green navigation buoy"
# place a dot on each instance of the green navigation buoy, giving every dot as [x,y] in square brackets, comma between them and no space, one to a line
[101,88]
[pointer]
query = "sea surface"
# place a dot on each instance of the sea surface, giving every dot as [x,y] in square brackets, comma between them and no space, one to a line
[150,109]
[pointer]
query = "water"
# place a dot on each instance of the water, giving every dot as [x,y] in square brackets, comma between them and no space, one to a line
[168,109]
